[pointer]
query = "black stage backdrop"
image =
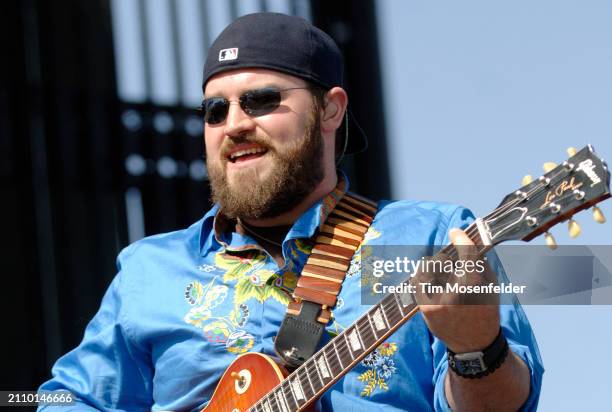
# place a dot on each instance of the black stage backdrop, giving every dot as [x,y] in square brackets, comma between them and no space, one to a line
[65,138]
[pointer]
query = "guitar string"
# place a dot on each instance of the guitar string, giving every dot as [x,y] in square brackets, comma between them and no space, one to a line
[344,347]
[473,229]
[343,350]
[342,354]
[336,364]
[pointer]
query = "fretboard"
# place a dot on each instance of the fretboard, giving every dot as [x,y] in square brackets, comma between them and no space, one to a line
[341,354]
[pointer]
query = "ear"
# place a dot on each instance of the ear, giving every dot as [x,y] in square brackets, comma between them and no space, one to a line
[336,101]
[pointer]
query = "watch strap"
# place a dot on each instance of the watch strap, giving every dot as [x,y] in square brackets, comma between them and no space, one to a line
[489,359]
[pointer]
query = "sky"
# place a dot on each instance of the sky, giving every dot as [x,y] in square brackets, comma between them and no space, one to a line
[477,94]
[480,93]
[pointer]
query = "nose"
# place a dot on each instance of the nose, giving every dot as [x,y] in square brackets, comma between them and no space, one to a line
[237,122]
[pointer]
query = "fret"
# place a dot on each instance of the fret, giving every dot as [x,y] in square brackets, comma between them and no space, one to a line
[280,399]
[382,309]
[332,364]
[324,366]
[355,339]
[378,320]
[348,346]
[337,354]
[307,388]
[314,362]
[371,325]
[361,336]
[393,313]
[293,394]
[309,381]
[399,304]
[406,299]
[297,389]
[274,402]
[288,390]
[266,405]
[368,335]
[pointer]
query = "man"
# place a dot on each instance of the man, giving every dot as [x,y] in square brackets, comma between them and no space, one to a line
[185,304]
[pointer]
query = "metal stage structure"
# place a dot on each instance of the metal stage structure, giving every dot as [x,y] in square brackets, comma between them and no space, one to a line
[101,145]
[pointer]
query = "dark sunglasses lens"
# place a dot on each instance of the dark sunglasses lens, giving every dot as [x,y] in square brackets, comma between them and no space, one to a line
[260,102]
[215,110]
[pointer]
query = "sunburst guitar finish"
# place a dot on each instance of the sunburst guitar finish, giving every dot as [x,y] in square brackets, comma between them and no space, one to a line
[248,379]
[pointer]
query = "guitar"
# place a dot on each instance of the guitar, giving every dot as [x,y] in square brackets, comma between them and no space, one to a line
[257,383]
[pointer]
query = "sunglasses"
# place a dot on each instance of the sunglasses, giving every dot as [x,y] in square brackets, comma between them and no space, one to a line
[253,102]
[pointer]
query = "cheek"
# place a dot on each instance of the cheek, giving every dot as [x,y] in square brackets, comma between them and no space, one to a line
[286,131]
[212,144]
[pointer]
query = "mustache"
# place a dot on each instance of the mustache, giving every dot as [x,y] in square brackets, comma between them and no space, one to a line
[232,142]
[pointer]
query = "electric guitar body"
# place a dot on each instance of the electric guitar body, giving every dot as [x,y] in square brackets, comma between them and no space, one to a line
[248,379]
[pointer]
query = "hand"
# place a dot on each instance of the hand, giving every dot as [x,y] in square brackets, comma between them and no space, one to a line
[463,327]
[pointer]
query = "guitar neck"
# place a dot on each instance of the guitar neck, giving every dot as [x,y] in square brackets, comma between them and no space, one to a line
[522,215]
[345,351]
[339,356]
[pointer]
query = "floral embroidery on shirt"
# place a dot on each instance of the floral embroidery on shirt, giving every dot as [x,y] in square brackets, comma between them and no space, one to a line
[286,281]
[362,252]
[245,276]
[239,342]
[206,268]
[217,329]
[381,367]
[246,270]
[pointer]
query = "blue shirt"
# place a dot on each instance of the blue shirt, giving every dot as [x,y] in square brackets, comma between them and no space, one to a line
[184,304]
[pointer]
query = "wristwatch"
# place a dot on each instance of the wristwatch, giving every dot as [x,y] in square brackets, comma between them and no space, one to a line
[477,364]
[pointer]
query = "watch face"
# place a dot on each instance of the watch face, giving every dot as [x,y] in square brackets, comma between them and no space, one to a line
[470,363]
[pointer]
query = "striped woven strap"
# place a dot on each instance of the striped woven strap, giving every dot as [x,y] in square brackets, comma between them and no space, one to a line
[330,258]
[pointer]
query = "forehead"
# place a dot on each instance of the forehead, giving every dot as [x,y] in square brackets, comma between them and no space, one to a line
[237,81]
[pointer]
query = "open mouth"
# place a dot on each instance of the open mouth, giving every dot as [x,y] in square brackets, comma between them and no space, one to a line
[243,155]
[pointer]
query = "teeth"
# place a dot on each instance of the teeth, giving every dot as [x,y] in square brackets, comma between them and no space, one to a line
[246,152]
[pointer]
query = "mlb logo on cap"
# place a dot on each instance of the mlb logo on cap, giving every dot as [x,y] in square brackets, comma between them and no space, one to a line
[228,54]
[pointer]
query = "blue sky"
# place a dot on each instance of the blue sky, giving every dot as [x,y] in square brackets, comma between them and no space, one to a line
[480,93]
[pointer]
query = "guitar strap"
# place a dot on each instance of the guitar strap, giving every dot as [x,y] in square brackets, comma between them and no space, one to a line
[321,278]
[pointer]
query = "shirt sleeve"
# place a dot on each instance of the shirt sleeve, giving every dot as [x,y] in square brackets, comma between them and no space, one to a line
[514,324]
[107,371]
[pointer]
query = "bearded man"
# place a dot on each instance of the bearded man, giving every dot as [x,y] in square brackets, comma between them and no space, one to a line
[185,304]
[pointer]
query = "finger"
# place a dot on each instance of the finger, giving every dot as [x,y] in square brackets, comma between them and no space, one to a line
[459,238]
[466,249]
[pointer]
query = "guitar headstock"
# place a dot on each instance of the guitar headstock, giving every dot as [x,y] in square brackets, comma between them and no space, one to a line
[563,190]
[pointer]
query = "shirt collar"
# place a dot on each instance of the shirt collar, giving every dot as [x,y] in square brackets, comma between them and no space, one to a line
[219,231]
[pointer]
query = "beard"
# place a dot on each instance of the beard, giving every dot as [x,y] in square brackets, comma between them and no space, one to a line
[296,172]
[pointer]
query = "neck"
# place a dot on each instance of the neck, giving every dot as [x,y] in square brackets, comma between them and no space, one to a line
[288,218]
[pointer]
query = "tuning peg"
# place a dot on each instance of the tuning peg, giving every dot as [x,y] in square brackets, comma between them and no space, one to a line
[571,151]
[550,241]
[574,228]
[548,166]
[598,215]
[526,180]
